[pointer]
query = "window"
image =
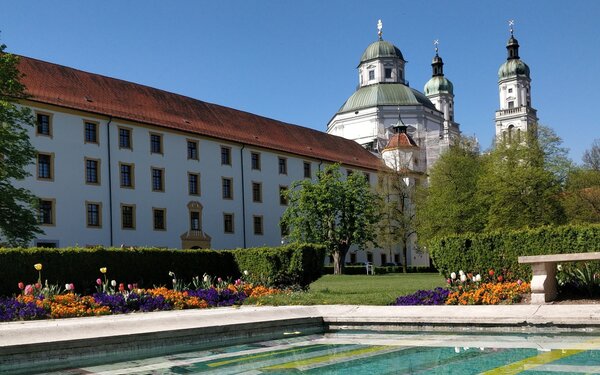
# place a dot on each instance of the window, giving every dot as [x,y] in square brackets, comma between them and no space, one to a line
[128,216]
[124,138]
[159,218]
[368,176]
[282,195]
[255,157]
[283,228]
[397,258]
[511,104]
[225,155]
[282,166]
[352,258]
[383,259]
[127,175]
[92,171]
[227,185]
[258,225]
[509,90]
[349,172]
[93,214]
[369,257]
[192,150]
[388,73]
[193,184]
[256,192]
[156,143]
[90,132]
[158,179]
[307,171]
[194,220]
[46,212]
[371,75]
[45,170]
[44,127]
[228,223]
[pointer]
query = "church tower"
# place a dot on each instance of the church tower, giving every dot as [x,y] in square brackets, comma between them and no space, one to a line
[516,115]
[440,91]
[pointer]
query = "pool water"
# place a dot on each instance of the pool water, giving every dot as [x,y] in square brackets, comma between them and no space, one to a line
[355,353]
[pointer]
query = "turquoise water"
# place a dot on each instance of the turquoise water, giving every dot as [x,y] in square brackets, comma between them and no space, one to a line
[372,353]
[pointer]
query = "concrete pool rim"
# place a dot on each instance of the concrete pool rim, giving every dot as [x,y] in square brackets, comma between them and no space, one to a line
[47,344]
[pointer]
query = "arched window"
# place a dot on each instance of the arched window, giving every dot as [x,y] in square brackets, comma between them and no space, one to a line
[510,131]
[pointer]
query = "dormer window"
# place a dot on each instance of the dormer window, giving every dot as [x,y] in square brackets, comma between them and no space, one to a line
[371,75]
[388,73]
[511,104]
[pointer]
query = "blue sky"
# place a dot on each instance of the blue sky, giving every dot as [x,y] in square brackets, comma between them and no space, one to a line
[295,61]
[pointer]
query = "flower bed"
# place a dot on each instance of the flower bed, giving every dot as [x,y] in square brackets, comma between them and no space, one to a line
[469,289]
[42,302]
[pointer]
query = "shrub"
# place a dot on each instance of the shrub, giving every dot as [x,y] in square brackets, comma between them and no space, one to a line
[500,250]
[293,264]
[149,267]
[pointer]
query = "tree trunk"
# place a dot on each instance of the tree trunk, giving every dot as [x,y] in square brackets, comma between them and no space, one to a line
[404,256]
[339,256]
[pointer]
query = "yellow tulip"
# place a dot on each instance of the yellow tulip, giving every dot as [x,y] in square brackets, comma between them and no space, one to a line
[103,269]
[38,266]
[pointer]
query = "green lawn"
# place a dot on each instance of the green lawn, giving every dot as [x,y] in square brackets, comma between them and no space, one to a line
[356,289]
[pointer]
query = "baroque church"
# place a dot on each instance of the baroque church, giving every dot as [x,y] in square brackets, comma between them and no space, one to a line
[409,129]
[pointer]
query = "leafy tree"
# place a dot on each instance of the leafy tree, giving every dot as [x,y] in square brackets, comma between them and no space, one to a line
[520,184]
[448,204]
[581,198]
[396,188]
[18,222]
[332,211]
[591,157]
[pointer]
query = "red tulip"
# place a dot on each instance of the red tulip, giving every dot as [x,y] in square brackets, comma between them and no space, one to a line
[21,285]
[121,287]
[491,272]
[500,278]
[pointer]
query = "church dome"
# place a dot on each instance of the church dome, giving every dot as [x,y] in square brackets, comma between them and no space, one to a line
[513,68]
[393,94]
[438,85]
[381,48]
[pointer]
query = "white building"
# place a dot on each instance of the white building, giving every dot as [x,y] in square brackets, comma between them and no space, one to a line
[124,164]
[516,114]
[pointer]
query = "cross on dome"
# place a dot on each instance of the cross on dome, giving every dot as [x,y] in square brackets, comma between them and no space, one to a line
[379,28]
[436,43]
[511,24]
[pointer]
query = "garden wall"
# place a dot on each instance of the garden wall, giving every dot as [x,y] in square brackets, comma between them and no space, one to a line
[150,267]
[499,250]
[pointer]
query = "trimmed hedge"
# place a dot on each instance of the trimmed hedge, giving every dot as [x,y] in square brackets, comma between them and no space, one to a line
[379,270]
[499,250]
[150,266]
[294,264]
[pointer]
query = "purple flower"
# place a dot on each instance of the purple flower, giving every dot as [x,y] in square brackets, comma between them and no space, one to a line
[436,296]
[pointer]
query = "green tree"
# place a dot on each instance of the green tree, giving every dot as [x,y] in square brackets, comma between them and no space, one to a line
[581,198]
[448,204]
[18,222]
[521,183]
[397,216]
[332,211]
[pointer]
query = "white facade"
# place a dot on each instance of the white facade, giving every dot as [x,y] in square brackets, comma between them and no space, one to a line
[70,194]
[516,113]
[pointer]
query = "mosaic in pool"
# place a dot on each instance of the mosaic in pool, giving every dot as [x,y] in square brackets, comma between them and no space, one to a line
[380,353]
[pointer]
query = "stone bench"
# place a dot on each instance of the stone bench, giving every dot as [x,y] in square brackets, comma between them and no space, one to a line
[543,283]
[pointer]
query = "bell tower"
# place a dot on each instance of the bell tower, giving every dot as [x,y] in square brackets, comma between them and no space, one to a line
[516,115]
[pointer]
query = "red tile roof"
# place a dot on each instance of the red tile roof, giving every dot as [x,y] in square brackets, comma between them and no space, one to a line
[75,89]
[401,140]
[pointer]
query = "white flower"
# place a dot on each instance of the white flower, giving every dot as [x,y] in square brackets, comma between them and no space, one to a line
[67,286]
[559,267]
[246,273]
[205,279]
[174,281]
[463,278]
[453,275]
[478,277]
[461,272]
[171,273]
[113,283]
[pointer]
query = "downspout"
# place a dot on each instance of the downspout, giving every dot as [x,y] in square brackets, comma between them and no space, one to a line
[243,195]
[110,205]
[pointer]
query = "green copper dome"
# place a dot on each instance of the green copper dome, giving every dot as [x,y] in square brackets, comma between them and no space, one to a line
[513,68]
[381,48]
[381,94]
[438,85]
